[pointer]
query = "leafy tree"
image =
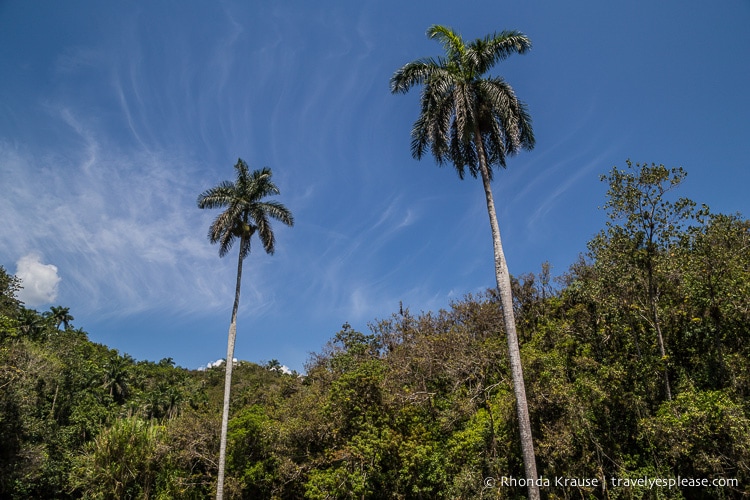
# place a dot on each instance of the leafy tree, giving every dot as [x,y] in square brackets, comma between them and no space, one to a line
[274,365]
[476,121]
[193,438]
[246,214]
[712,306]
[250,433]
[700,434]
[649,224]
[9,287]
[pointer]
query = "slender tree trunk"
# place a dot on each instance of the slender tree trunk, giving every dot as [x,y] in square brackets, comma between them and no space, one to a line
[502,276]
[653,303]
[54,400]
[662,349]
[228,379]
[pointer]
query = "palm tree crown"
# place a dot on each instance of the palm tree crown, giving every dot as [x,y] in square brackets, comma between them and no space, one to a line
[246,212]
[464,111]
[61,316]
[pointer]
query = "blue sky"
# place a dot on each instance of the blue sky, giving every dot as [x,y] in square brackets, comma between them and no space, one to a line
[114,116]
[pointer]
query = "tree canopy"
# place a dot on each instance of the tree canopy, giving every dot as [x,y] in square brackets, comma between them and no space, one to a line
[420,405]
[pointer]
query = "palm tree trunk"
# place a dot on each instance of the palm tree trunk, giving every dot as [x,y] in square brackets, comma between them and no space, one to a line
[502,277]
[228,379]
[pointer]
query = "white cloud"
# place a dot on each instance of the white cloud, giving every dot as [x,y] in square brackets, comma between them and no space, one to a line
[39,280]
[214,364]
[220,362]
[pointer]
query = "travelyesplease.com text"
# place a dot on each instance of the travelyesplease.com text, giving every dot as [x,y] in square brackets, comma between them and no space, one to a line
[611,482]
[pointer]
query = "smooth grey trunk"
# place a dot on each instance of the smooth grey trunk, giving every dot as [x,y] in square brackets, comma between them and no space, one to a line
[502,277]
[228,365]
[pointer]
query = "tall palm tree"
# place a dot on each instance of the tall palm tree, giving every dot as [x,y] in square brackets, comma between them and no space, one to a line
[246,214]
[476,121]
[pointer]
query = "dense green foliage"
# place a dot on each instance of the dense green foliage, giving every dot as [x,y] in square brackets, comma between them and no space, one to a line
[421,405]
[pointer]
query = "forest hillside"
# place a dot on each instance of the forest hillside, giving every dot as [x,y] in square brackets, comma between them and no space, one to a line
[635,360]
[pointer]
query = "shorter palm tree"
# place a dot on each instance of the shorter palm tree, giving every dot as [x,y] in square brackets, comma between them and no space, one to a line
[30,323]
[117,376]
[246,214]
[61,316]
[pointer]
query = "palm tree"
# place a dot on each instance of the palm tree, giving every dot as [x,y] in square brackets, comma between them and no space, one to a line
[246,214]
[30,323]
[61,316]
[116,376]
[476,121]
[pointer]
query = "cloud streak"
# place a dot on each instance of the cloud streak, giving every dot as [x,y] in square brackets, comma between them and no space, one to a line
[123,227]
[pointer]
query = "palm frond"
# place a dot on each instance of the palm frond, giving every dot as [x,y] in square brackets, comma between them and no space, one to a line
[278,212]
[432,129]
[265,233]
[218,196]
[225,239]
[494,48]
[452,42]
[412,74]
[242,171]
[510,112]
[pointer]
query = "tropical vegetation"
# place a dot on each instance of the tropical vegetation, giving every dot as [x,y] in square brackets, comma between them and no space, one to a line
[421,405]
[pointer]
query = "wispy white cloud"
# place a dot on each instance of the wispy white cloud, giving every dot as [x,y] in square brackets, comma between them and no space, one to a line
[121,225]
[73,59]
